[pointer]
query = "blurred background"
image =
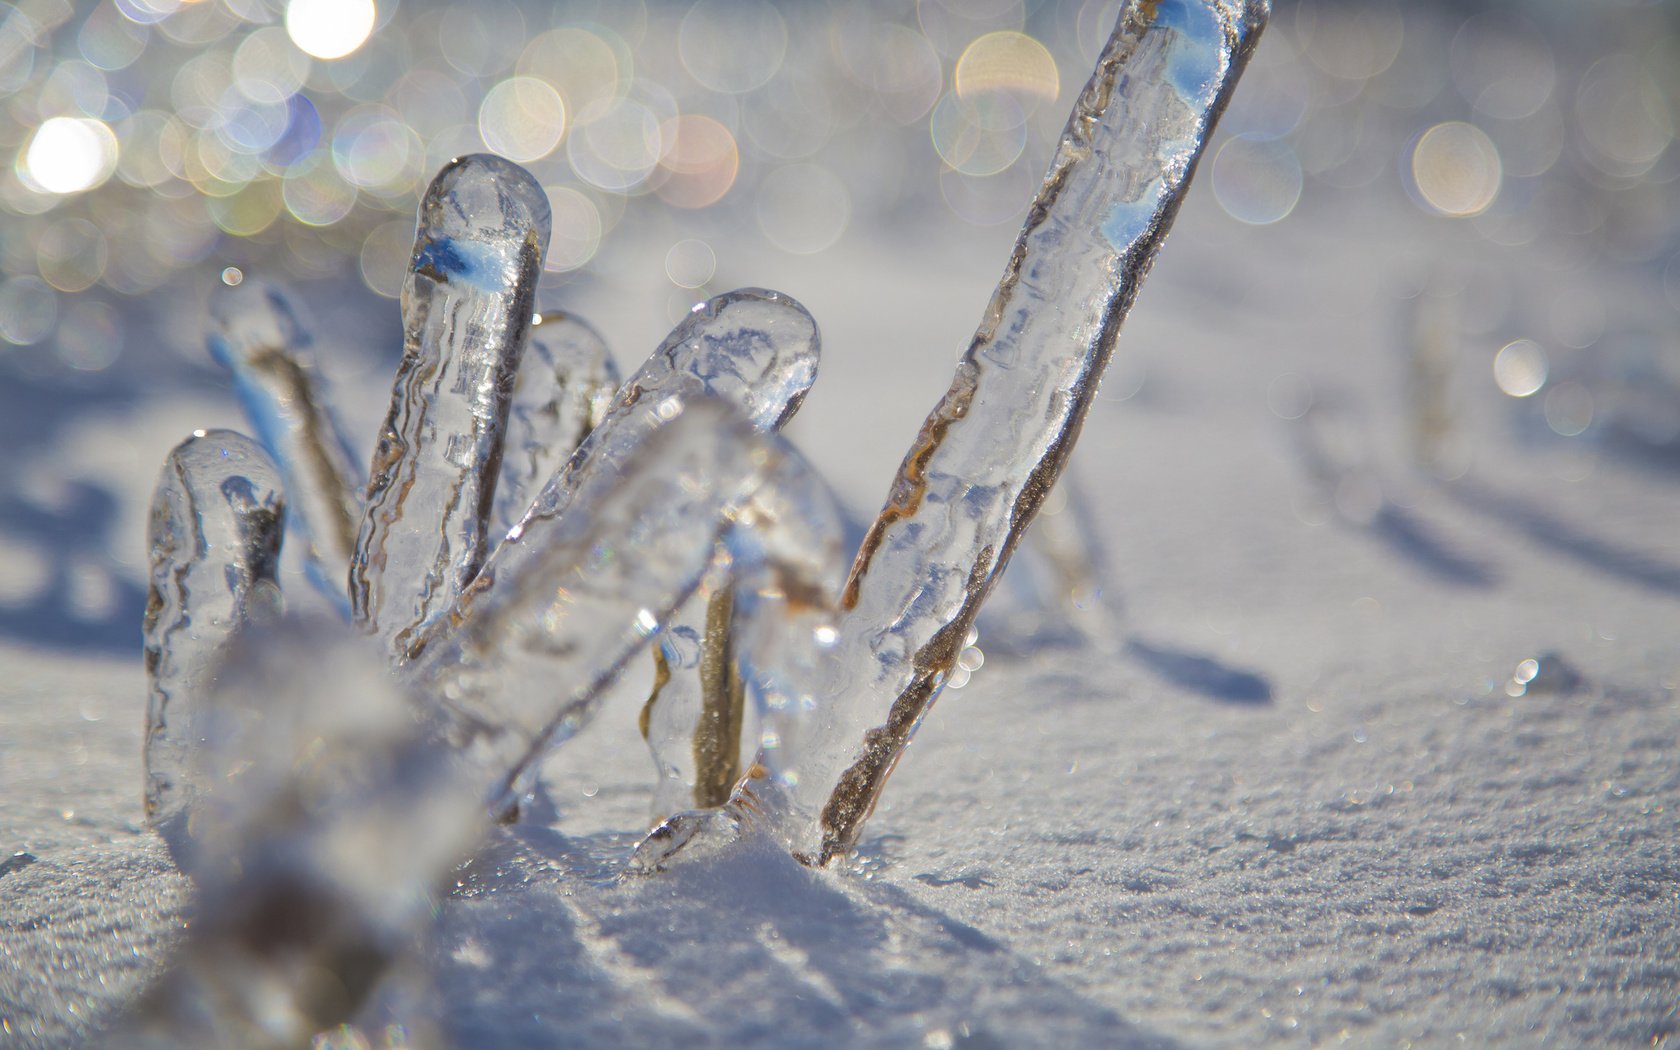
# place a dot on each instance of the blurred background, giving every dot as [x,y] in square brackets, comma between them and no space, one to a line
[1502,173]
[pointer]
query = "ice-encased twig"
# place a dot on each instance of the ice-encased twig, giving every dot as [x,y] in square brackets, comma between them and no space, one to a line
[216,522]
[338,819]
[753,348]
[256,333]
[564,389]
[467,309]
[537,612]
[996,442]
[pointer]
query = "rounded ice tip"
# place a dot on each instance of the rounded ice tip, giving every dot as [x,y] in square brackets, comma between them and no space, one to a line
[483,197]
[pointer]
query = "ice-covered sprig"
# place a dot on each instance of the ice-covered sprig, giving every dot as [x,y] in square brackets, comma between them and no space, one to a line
[494,662]
[215,529]
[467,306]
[343,798]
[996,442]
[255,331]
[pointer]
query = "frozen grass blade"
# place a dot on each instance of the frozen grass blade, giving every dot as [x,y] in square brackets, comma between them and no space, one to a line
[256,333]
[467,309]
[997,441]
[753,348]
[216,523]
[334,822]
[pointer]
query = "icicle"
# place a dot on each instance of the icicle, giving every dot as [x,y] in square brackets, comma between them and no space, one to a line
[256,334]
[216,522]
[997,441]
[565,386]
[338,810]
[467,309]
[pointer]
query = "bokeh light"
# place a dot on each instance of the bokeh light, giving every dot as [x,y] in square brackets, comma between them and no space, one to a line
[329,29]
[616,145]
[1256,180]
[69,155]
[981,135]
[1455,169]
[732,46]
[1009,62]
[690,263]
[698,162]
[1520,368]
[522,118]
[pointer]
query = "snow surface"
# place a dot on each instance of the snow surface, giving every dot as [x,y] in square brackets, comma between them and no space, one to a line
[1291,805]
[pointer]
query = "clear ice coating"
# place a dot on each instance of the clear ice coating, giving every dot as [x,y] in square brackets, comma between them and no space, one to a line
[347,780]
[255,332]
[757,350]
[467,310]
[541,616]
[215,529]
[990,450]
[754,348]
[332,822]
[564,388]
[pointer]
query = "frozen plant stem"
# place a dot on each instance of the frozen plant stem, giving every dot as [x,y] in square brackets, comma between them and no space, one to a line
[334,823]
[216,522]
[467,309]
[256,333]
[997,441]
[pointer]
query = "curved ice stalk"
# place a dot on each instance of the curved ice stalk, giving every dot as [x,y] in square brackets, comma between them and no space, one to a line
[995,444]
[256,334]
[467,308]
[216,522]
[565,386]
[335,821]
[753,348]
[542,615]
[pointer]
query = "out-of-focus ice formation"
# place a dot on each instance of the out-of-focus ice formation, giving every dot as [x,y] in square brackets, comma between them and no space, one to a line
[326,803]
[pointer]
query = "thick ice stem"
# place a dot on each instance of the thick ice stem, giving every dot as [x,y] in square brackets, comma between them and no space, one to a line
[754,349]
[996,442]
[467,309]
[255,332]
[216,523]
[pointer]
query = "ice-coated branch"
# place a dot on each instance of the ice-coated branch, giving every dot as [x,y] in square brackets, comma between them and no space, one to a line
[997,441]
[337,815]
[564,389]
[467,310]
[255,332]
[753,348]
[216,522]
[567,600]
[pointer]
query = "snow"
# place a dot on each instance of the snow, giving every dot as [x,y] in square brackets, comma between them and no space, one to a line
[1292,804]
